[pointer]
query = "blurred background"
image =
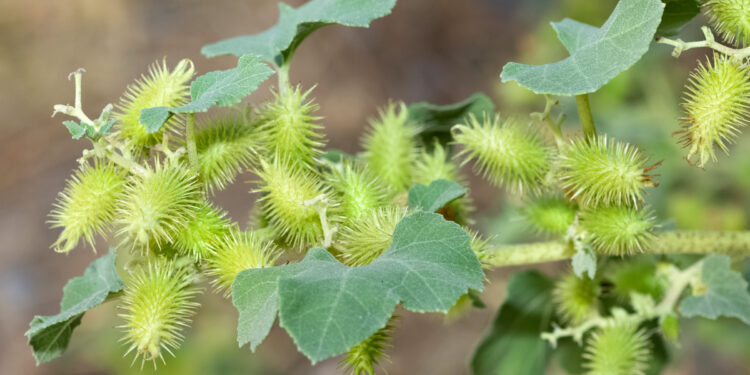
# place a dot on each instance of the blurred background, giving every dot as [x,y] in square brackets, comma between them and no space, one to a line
[439,51]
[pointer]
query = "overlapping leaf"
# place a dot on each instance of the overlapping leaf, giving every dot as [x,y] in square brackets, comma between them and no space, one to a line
[435,121]
[596,54]
[435,196]
[218,88]
[278,43]
[327,307]
[726,292]
[50,335]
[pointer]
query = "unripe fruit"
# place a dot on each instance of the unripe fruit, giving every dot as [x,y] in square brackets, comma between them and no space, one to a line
[157,304]
[358,190]
[731,19]
[391,147]
[155,207]
[285,190]
[236,252]
[86,206]
[226,148]
[160,88]
[510,155]
[618,230]
[434,165]
[202,233]
[617,349]
[552,215]
[288,131]
[716,104]
[366,238]
[576,298]
[363,358]
[602,172]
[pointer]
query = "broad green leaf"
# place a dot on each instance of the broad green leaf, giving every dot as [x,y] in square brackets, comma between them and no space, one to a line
[278,43]
[436,196]
[327,307]
[49,335]
[218,88]
[726,292]
[676,14]
[435,121]
[596,54]
[514,345]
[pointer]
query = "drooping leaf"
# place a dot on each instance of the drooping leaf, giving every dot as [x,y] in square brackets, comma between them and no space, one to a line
[218,88]
[278,43]
[327,307]
[437,195]
[514,345]
[49,335]
[676,14]
[726,292]
[596,54]
[435,121]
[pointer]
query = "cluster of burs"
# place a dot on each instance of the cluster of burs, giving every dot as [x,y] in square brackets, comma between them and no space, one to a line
[141,190]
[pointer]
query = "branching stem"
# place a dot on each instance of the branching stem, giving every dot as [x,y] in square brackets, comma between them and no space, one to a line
[321,205]
[545,117]
[681,46]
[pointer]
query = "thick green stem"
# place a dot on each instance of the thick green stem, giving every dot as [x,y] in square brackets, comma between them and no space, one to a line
[192,150]
[678,242]
[584,115]
[283,75]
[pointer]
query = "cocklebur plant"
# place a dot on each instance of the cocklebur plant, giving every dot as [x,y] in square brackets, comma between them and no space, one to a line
[337,241]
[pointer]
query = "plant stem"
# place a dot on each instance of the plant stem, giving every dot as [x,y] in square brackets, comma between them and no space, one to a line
[584,114]
[555,126]
[192,150]
[283,75]
[677,242]
[680,45]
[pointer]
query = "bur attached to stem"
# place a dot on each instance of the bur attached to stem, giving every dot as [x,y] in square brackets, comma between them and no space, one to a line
[238,251]
[390,146]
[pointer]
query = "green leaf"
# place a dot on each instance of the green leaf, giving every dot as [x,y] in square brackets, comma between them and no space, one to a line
[435,121]
[218,88]
[49,335]
[77,131]
[584,261]
[327,307]
[278,43]
[726,292]
[514,345]
[676,14]
[596,54]
[436,196]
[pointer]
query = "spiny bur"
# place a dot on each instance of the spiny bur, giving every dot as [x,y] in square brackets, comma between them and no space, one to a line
[550,215]
[619,348]
[575,298]
[286,193]
[86,207]
[730,18]
[363,240]
[156,206]
[357,188]
[202,233]
[716,106]
[363,358]
[160,88]
[157,305]
[507,155]
[391,147]
[236,252]
[288,129]
[602,172]
[226,147]
[618,230]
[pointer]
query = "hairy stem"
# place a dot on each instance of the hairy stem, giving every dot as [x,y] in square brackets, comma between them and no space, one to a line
[584,114]
[681,46]
[545,117]
[283,75]
[192,150]
[677,242]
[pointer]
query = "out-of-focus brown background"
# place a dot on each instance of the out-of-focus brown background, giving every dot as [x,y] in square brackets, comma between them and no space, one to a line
[435,50]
